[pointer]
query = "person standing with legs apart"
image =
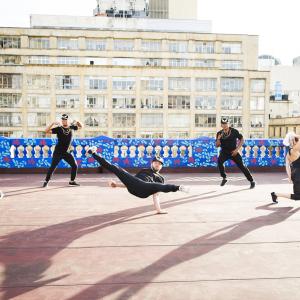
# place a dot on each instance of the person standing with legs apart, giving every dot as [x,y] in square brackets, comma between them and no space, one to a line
[64,133]
[145,183]
[292,163]
[231,141]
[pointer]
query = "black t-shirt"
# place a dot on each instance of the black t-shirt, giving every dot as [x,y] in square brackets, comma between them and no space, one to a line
[149,175]
[64,136]
[229,142]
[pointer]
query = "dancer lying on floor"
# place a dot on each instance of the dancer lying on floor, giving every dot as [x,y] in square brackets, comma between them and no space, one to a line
[292,166]
[145,183]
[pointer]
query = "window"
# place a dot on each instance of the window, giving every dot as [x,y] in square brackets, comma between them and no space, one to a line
[95,101]
[205,120]
[96,83]
[123,101]
[179,102]
[9,119]
[235,121]
[231,48]
[178,46]
[258,85]
[38,119]
[152,102]
[6,133]
[38,82]
[39,43]
[231,84]
[257,121]
[179,84]
[231,102]
[38,101]
[152,135]
[123,83]
[67,60]
[67,82]
[123,120]
[39,60]
[88,134]
[151,62]
[179,120]
[178,135]
[205,63]
[257,103]
[36,134]
[123,45]
[93,44]
[67,43]
[256,135]
[10,100]
[151,45]
[124,61]
[205,102]
[204,47]
[67,101]
[231,64]
[206,84]
[206,134]
[10,60]
[123,134]
[152,84]
[10,42]
[152,120]
[95,120]
[10,81]
[178,62]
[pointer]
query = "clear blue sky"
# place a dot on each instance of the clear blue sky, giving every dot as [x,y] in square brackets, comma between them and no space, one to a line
[277,22]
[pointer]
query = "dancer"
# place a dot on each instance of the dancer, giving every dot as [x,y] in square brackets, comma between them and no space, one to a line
[292,163]
[145,183]
[227,140]
[64,133]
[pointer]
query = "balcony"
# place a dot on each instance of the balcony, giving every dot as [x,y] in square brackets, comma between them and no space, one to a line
[137,153]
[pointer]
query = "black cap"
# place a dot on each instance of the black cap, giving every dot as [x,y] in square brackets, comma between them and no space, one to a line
[64,117]
[224,120]
[158,158]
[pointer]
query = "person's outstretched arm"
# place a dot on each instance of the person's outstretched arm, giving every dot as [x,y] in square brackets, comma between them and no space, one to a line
[49,128]
[157,204]
[114,184]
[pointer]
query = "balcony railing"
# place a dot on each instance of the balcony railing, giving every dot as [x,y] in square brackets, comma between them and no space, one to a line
[137,153]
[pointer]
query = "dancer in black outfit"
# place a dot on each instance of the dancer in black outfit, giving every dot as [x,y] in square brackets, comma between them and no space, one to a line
[145,183]
[227,140]
[292,163]
[64,134]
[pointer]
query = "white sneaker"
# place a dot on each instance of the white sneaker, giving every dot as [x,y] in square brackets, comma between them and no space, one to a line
[184,189]
[92,150]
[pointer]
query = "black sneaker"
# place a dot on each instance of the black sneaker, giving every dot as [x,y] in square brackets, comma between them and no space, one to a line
[92,150]
[74,183]
[223,181]
[274,197]
[252,184]
[45,184]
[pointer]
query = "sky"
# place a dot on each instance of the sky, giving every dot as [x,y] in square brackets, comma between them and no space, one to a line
[276,22]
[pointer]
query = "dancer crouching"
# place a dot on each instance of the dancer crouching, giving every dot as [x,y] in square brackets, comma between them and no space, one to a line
[145,183]
[292,163]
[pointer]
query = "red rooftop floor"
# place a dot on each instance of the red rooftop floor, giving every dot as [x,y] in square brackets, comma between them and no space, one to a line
[94,242]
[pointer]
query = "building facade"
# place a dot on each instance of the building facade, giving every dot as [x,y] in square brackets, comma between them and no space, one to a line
[279,127]
[130,83]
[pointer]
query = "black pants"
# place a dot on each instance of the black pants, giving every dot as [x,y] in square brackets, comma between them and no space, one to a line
[296,182]
[57,157]
[134,185]
[223,157]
